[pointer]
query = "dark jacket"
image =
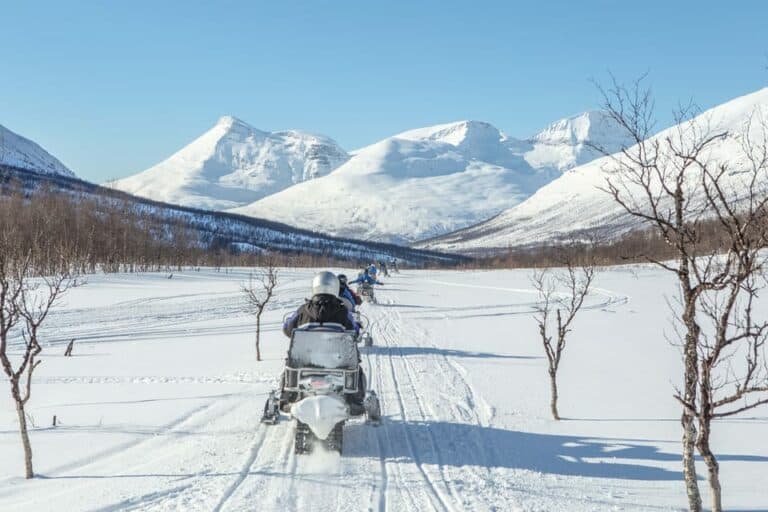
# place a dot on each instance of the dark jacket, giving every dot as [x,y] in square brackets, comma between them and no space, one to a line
[320,309]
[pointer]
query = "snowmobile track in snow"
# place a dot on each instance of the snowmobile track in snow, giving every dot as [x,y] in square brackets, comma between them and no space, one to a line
[258,443]
[402,373]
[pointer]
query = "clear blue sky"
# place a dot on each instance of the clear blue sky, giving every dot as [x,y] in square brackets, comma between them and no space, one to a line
[111,88]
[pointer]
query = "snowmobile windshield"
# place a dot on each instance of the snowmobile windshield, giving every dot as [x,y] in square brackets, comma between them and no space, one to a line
[323,349]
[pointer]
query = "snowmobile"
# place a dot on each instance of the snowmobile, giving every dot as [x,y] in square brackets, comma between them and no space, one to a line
[322,374]
[365,291]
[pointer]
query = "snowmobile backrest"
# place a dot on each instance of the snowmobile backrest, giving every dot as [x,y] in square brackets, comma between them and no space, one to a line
[323,346]
[326,326]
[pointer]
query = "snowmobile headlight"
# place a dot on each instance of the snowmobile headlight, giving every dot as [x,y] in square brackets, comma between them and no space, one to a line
[350,381]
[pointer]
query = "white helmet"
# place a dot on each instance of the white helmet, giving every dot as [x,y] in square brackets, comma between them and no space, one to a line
[325,283]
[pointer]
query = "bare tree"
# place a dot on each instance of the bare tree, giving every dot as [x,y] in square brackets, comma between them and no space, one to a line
[258,292]
[671,183]
[575,281]
[733,376]
[24,306]
[733,370]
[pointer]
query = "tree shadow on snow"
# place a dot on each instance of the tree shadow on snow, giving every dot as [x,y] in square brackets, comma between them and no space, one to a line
[457,444]
[419,351]
[396,305]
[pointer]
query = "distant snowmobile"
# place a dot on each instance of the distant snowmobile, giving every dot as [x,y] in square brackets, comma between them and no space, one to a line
[365,281]
[365,290]
[322,373]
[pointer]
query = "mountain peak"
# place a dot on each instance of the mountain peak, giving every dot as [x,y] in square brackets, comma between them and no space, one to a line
[590,126]
[228,125]
[457,133]
[571,141]
[234,164]
[228,121]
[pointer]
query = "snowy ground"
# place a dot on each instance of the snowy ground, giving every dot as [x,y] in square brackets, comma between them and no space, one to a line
[159,408]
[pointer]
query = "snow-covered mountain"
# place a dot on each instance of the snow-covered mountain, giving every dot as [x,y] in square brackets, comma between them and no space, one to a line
[432,180]
[22,153]
[575,202]
[234,164]
[572,141]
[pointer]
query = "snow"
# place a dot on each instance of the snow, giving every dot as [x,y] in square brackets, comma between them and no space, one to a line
[17,151]
[577,202]
[426,182]
[159,407]
[233,164]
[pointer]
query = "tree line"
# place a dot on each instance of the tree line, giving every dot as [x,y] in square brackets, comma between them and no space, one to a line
[86,233]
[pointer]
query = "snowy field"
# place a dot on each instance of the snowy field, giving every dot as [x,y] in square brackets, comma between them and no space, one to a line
[159,407]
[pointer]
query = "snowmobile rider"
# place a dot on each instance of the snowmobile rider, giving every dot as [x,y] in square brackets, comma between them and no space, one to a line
[347,296]
[325,306]
[365,277]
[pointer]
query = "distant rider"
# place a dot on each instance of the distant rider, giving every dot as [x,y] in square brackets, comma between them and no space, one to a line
[365,277]
[348,297]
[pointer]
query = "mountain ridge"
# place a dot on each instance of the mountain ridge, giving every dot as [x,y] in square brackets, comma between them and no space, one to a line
[417,183]
[575,203]
[23,153]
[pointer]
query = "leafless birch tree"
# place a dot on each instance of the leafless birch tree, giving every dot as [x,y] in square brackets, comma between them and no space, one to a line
[672,183]
[258,292]
[561,293]
[25,303]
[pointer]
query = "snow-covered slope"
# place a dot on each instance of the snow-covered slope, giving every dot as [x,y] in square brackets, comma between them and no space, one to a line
[428,181]
[233,164]
[575,202]
[17,151]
